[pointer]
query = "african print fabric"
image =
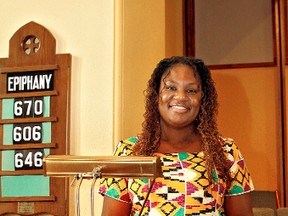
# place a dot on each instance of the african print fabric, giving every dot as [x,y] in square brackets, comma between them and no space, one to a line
[184,189]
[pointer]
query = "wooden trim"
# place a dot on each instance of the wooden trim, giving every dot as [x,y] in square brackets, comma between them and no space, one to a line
[28,120]
[22,172]
[4,70]
[274,31]
[282,26]
[29,94]
[285,31]
[278,203]
[189,28]
[252,65]
[28,199]
[28,146]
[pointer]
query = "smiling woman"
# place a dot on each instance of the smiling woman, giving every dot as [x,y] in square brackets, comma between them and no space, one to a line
[204,173]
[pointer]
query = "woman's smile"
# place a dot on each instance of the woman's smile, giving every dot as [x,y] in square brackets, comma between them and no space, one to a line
[179,108]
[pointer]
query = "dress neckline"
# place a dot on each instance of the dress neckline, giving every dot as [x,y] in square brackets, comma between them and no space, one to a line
[200,153]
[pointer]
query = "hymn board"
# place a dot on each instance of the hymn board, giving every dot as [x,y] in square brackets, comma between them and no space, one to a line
[34,108]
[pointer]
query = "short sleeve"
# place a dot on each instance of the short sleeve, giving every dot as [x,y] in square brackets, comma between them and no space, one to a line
[241,180]
[117,188]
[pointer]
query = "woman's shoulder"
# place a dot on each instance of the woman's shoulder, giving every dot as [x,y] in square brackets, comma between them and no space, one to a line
[125,147]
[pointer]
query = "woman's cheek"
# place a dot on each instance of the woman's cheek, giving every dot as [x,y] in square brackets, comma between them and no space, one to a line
[195,101]
[165,97]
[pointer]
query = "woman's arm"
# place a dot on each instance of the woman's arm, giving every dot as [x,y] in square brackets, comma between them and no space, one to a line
[112,207]
[238,205]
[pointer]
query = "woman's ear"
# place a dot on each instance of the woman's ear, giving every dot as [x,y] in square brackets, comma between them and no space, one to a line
[202,94]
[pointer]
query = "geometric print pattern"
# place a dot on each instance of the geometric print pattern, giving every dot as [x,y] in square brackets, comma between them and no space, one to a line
[184,188]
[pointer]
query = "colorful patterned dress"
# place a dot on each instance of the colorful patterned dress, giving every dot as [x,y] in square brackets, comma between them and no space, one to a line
[184,189]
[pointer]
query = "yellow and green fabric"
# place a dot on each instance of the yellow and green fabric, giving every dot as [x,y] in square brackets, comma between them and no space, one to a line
[184,189]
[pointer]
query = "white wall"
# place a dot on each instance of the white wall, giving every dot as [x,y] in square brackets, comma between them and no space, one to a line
[85,29]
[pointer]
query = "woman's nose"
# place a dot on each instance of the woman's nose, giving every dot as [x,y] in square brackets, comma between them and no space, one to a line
[180,95]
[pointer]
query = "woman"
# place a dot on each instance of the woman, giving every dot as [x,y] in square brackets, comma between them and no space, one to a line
[204,173]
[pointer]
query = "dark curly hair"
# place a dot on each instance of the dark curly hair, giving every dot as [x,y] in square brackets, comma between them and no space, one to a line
[211,142]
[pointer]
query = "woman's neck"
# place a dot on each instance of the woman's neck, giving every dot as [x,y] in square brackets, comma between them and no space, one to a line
[179,140]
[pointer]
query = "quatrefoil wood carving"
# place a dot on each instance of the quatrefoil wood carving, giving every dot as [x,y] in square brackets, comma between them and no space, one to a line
[31,45]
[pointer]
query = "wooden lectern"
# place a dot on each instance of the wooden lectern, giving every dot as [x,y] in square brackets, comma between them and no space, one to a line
[101,166]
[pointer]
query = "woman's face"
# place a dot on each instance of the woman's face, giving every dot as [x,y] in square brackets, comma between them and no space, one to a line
[179,96]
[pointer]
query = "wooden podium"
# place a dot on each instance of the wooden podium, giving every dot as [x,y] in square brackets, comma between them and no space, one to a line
[82,167]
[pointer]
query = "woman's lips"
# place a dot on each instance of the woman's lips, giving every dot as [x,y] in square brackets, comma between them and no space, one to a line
[179,108]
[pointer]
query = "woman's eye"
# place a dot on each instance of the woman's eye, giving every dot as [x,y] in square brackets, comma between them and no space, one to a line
[171,88]
[192,91]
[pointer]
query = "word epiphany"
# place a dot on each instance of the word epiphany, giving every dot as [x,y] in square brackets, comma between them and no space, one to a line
[30,81]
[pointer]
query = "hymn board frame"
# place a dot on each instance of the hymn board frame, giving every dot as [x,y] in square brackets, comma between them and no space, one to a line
[32,52]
